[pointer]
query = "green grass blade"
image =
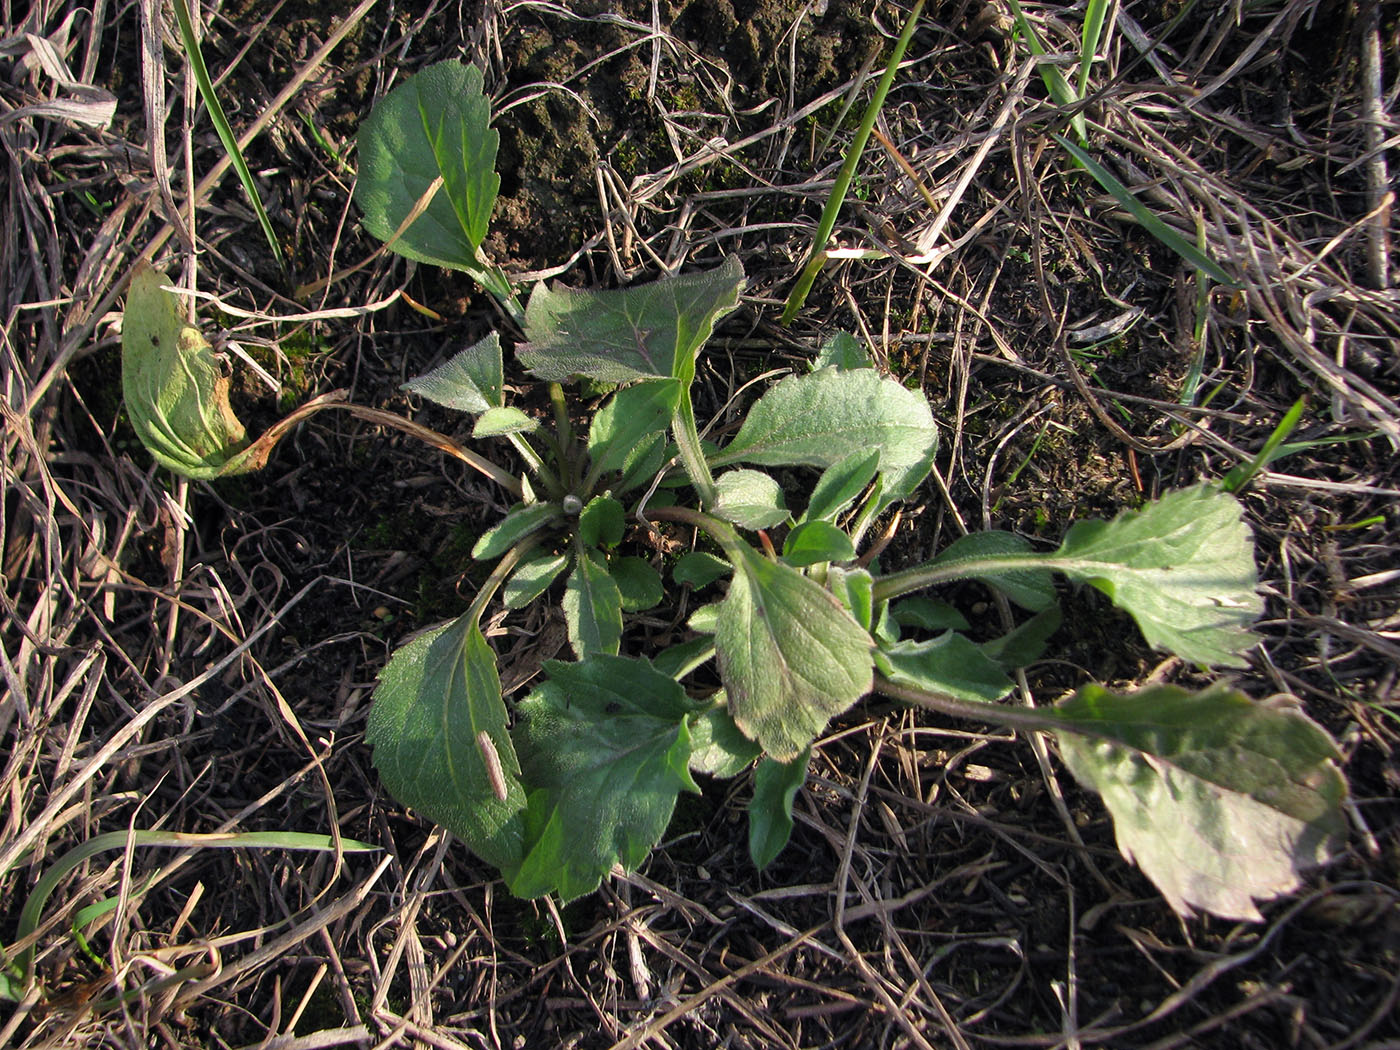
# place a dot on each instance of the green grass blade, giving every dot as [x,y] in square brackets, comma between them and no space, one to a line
[1094,16]
[1055,82]
[827,223]
[48,882]
[1148,221]
[1241,475]
[195,57]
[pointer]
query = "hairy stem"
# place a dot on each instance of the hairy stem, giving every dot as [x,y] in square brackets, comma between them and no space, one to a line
[692,455]
[1027,719]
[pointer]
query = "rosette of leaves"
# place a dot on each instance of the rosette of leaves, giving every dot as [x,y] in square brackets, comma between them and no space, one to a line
[1220,800]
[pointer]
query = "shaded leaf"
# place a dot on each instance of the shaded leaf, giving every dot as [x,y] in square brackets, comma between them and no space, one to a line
[532,578]
[472,380]
[175,388]
[631,333]
[789,655]
[639,584]
[679,660]
[604,744]
[775,786]
[434,698]
[434,125]
[699,569]
[826,417]
[629,417]
[949,664]
[844,351]
[1183,567]
[601,522]
[840,484]
[719,748]
[928,614]
[814,542]
[1221,801]
[1023,645]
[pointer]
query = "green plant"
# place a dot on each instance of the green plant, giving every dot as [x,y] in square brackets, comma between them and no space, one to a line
[1220,800]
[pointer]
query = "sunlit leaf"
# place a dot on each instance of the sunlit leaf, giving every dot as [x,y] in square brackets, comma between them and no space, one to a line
[750,499]
[473,380]
[592,607]
[1220,800]
[718,746]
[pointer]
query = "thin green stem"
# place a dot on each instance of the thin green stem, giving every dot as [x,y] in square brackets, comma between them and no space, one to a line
[720,531]
[1027,719]
[535,463]
[839,188]
[930,573]
[502,569]
[692,454]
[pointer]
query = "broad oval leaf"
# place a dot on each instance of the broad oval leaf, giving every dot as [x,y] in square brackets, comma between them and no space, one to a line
[775,785]
[532,578]
[434,125]
[601,522]
[719,748]
[823,418]
[435,699]
[814,542]
[640,332]
[750,499]
[1183,567]
[604,744]
[1221,801]
[176,392]
[639,584]
[498,421]
[472,380]
[699,569]
[840,484]
[790,656]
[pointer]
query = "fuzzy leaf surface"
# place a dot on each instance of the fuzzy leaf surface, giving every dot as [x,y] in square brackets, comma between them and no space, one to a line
[592,607]
[640,332]
[176,392]
[840,484]
[505,419]
[433,699]
[790,656]
[718,746]
[473,380]
[630,416]
[532,578]
[775,786]
[817,541]
[639,584]
[521,520]
[1183,567]
[605,745]
[825,417]
[949,664]
[844,351]
[1221,801]
[435,124]
[750,499]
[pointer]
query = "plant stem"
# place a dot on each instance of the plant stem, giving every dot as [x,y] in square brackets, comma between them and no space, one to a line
[537,466]
[931,573]
[721,531]
[498,576]
[1027,719]
[692,455]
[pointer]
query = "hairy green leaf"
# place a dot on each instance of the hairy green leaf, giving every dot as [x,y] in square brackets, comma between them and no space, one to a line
[532,578]
[719,748]
[1183,567]
[437,698]
[632,333]
[1025,644]
[473,380]
[699,569]
[750,499]
[949,664]
[521,521]
[604,744]
[1220,800]
[826,417]
[434,125]
[789,655]
[629,417]
[601,523]
[639,584]
[592,607]
[813,542]
[775,785]
[499,421]
[175,388]
[840,484]
[844,351]
[928,614]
